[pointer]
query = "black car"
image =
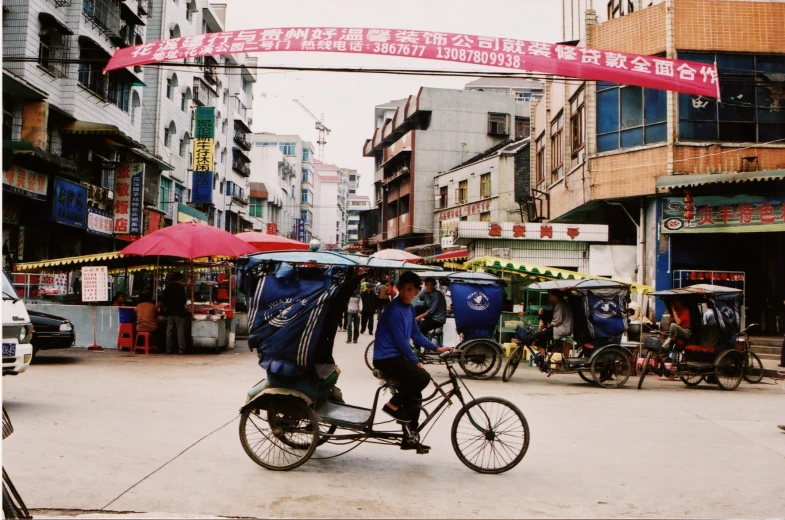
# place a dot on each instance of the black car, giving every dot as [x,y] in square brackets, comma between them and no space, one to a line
[51,332]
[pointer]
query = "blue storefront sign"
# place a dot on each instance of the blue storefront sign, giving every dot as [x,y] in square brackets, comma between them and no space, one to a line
[300,230]
[70,204]
[135,220]
[202,191]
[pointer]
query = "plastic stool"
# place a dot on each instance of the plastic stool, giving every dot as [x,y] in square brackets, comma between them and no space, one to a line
[146,346]
[125,336]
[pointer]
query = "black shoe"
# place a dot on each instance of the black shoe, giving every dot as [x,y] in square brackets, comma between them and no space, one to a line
[399,414]
[406,445]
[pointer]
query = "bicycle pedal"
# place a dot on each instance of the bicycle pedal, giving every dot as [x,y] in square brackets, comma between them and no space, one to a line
[421,451]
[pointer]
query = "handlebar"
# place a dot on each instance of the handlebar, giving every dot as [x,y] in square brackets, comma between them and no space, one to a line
[444,355]
[748,327]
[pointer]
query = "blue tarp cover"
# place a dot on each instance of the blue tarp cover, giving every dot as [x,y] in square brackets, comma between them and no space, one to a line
[476,306]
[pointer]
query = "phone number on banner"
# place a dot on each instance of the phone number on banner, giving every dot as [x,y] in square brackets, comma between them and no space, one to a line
[501,59]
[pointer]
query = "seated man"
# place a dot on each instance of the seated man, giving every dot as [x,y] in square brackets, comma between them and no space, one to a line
[435,314]
[393,355]
[559,328]
[710,330]
[680,326]
[148,319]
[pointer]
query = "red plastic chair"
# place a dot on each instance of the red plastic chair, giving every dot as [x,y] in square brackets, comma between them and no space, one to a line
[125,336]
[145,343]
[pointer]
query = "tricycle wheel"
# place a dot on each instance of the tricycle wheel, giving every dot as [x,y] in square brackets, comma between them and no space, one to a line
[728,370]
[282,437]
[481,359]
[611,367]
[369,356]
[586,376]
[490,435]
[753,368]
[512,363]
[692,379]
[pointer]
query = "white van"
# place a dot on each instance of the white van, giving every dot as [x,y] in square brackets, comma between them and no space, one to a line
[17,331]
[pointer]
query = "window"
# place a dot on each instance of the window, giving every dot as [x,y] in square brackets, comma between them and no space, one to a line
[182,148]
[174,32]
[288,148]
[557,148]
[462,193]
[223,156]
[224,126]
[305,216]
[629,116]
[52,48]
[256,207]
[498,124]
[577,109]
[183,101]
[306,155]
[92,61]
[294,190]
[171,83]
[614,9]
[485,216]
[485,185]
[118,91]
[169,131]
[753,105]
[443,197]
[521,127]
[184,144]
[307,176]
[306,197]
[164,194]
[180,192]
[540,159]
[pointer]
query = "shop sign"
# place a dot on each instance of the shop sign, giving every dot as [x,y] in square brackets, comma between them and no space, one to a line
[128,201]
[204,145]
[448,232]
[532,231]
[97,197]
[153,221]
[466,210]
[202,190]
[70,204]
[186,213]
[300,229]
[714,214]
[53,284]
[11,215]
[26,182]
[95,284]
[272,228]
[99,222]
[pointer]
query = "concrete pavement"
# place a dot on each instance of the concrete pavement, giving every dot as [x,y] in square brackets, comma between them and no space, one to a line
[89,426]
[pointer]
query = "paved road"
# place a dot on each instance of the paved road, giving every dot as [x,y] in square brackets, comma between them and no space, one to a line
[91,425]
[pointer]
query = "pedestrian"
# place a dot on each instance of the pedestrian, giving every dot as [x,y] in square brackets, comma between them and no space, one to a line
[353,310]
[392,289]
[369,301]
[174,299]
[393,355]
[383,296]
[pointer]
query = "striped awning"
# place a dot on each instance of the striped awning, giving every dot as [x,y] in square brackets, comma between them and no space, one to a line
[71,260]
[683,181]
[449,256]
[540,272]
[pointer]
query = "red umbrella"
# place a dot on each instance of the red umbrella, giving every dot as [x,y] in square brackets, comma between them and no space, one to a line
[189,240]
[264,242]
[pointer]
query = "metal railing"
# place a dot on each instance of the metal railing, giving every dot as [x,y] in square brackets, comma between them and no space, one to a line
[104,14]
[241,168]
[241,138]
[50,58]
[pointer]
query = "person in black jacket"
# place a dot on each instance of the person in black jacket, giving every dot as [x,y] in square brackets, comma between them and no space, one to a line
[174,299]
[370,305]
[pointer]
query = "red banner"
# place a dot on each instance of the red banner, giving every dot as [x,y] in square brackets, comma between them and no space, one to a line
[563,60]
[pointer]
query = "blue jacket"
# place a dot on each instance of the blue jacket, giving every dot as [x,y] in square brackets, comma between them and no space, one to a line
[397,326]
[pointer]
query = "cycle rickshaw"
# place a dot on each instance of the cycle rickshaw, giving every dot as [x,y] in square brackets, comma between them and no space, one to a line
[599,320]
[713,352]
[477,306]
[296,301]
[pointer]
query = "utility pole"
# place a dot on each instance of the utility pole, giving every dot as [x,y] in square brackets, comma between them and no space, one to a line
[323,130]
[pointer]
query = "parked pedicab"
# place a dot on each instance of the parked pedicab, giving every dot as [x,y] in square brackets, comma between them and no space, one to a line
[477,306]
[714,352]
[599,320]
[296,302]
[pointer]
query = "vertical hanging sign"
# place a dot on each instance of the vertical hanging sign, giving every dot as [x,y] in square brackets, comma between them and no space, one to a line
[128,199]
[204,143]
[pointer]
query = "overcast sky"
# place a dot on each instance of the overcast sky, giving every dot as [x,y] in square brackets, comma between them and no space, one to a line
[347,100]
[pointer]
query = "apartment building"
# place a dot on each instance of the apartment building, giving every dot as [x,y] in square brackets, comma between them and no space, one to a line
[356,205]
[691,182]
[423,135]
[332,210]
[69,129]
[287,171]
[173,94]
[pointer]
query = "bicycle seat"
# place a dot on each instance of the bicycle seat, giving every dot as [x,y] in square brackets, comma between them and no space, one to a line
[378,374]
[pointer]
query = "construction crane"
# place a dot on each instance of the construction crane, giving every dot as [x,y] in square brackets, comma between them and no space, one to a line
[323,130]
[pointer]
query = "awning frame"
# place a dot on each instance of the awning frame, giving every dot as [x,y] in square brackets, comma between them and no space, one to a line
[669,182]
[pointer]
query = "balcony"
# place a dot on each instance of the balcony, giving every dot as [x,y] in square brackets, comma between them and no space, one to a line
[240,199]
[104,15]
[241,138]
[241,168]
[143,9]
[50,58]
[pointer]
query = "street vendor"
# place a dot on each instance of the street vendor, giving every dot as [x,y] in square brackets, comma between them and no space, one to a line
[174,300]
[393,355]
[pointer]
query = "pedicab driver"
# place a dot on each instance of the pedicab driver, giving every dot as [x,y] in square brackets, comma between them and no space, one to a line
[393,355]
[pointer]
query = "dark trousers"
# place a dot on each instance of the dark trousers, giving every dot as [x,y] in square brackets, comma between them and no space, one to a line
[782,355]
[428,324]
[367,320]
[542,337]
[413,380]
[176,333]
[352,326]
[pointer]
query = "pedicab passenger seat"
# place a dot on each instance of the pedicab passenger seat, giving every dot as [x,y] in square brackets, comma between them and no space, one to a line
[701,349]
